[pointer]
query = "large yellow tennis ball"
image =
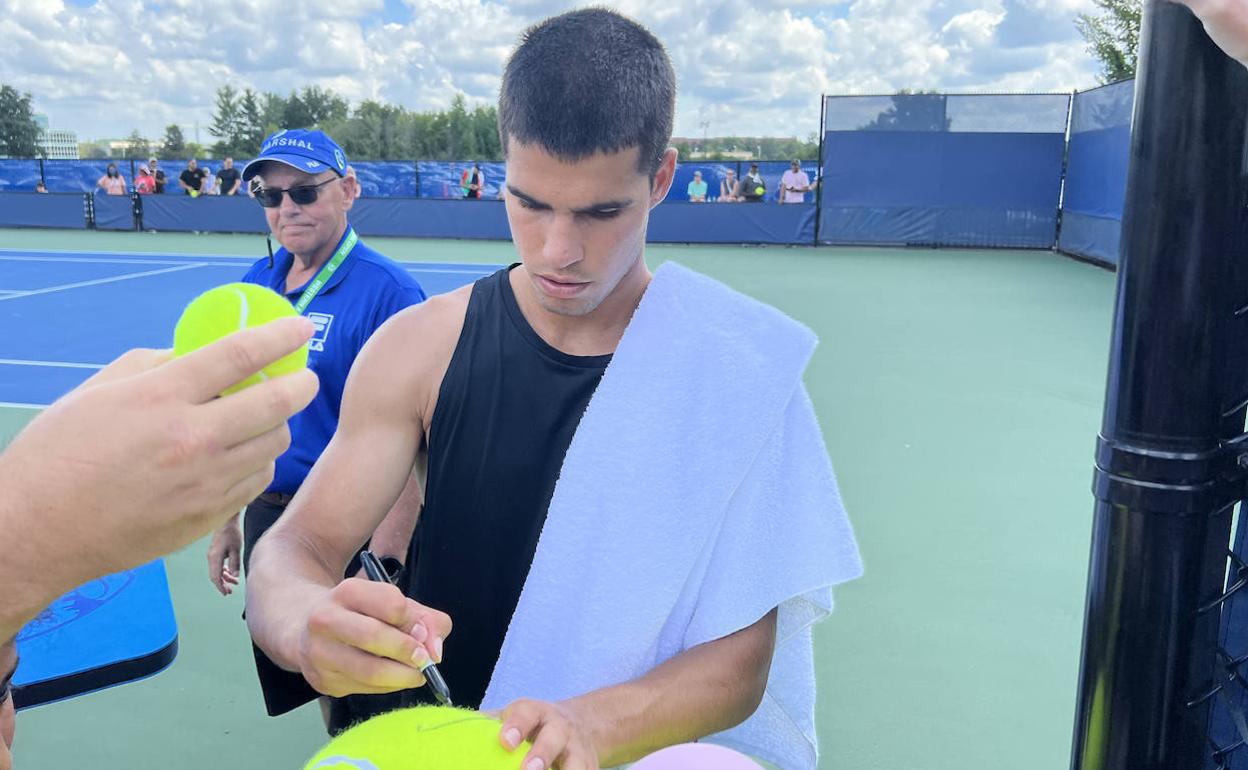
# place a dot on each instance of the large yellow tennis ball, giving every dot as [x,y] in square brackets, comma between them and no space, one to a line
[422,738]
[231,308]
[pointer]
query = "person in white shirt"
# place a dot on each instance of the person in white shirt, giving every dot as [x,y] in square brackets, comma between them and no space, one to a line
[794,184]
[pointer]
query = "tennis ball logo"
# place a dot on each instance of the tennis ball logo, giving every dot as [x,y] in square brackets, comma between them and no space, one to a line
[232,308]
[422,738]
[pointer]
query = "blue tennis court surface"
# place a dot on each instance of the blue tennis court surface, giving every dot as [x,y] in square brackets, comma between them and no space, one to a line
[66,314]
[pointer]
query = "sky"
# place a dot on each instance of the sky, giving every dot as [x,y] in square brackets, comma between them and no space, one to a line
[106,67]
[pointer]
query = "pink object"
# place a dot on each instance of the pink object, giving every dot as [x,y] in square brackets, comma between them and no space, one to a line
[697,756]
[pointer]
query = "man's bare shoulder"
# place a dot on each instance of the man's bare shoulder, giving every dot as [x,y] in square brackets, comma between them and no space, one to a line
[434,322]
[413,348]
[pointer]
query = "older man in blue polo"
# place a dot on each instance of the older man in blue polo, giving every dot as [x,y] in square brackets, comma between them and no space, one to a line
[348,290]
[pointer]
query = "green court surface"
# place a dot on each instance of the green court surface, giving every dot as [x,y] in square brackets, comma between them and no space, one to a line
[960,395]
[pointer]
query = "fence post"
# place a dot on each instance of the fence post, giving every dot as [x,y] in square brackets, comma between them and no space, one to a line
[1166,477]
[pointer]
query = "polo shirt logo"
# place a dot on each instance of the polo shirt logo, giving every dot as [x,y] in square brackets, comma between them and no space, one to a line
[321,322]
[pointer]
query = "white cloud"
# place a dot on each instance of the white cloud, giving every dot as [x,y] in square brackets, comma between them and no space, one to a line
[745,67]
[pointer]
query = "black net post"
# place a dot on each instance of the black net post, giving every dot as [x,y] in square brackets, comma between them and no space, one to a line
[1167,473]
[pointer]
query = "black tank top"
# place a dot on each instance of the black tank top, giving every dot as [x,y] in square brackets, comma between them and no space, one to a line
[506,412]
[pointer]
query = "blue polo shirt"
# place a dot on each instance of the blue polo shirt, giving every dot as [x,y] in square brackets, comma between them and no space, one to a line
[366,289]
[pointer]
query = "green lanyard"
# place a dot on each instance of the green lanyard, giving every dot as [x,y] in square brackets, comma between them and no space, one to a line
[328,270]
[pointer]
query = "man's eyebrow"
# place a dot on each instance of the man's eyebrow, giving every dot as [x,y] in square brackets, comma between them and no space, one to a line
[591,209]
[529,199]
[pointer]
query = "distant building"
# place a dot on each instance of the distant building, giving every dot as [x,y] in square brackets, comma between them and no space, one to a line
[57,144]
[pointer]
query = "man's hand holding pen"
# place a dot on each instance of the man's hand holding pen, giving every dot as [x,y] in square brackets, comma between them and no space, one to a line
[367,637]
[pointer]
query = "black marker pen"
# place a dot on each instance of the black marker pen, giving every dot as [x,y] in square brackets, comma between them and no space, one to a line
[377,574]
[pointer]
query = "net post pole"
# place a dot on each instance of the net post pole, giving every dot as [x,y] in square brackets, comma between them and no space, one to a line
[819,169]
[1061,189]
[1165,481]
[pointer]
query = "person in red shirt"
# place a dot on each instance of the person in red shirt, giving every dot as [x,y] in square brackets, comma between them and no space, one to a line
[145,183]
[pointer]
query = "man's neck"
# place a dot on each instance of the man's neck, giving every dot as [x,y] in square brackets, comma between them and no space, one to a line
[594,334]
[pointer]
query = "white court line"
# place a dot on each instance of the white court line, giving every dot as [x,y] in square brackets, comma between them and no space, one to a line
[484,270]
[17,405]
[55,364]
[135,253]
[122,261]
[99,281]
[451,272]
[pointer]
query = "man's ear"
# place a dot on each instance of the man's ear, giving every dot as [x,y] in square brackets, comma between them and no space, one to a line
[349,185]
[664,177]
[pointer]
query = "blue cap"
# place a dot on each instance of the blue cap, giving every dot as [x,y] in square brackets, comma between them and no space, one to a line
[309,151]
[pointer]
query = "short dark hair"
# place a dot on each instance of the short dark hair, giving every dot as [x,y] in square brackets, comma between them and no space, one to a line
[589,81]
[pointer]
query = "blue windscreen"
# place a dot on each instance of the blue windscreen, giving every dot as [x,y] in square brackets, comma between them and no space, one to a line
[19,175]
[927,169]
[386,179]
[442,179]
[1096,172]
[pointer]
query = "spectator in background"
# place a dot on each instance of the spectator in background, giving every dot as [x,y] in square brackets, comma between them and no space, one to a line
[730,188]
[112,182]
[358,189]
[228,179]
[209,185]
[697,189]
[145,183]
[753,188]
[191,178]
[473,182]
[158,175]
[794,184]
[40,187]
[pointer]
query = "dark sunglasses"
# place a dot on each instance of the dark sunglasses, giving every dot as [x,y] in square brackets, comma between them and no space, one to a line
[302,195]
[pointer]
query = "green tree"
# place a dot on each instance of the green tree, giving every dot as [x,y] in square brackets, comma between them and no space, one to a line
[923,111]
[174,143]
[137,147]
[251,124]
[227,124]
[92,150]
[1113,36]
[19,133]
[272,113]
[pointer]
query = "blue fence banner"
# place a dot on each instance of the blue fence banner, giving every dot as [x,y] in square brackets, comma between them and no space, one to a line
[28,209]
[423,218]
[113,212]
[764,223]
[386,179]
[934,170]
[207,214]
[1096,172]
[19,175]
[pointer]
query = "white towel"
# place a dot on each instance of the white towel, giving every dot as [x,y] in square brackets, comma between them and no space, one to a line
[696,496]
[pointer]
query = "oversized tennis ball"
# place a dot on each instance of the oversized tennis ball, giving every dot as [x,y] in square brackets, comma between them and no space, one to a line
[421,738]
[231,308]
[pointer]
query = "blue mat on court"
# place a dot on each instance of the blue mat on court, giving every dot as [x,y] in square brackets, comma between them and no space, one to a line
[66,314]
